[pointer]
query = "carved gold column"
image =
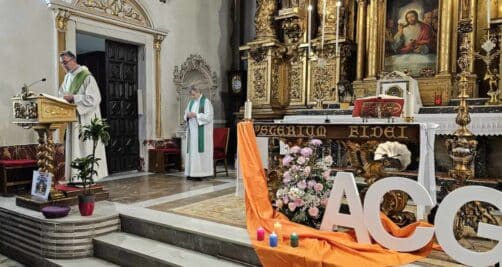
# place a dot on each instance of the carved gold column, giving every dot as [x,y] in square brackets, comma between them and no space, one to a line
[61,27]
[157,44]
[361,38]
[445,36]
[45,156]
[372,26]
[264,19]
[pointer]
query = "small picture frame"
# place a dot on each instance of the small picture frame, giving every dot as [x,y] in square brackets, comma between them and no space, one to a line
[41,184]
[397,88]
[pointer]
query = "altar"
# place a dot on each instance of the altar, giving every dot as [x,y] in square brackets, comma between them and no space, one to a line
[418,133]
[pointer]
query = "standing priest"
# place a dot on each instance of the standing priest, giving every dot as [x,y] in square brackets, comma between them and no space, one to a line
[80,87]
[199,120]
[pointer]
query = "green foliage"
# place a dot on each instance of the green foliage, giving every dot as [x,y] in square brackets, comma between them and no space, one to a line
[96,131]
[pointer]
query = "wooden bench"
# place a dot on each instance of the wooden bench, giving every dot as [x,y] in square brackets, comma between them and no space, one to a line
[16,172]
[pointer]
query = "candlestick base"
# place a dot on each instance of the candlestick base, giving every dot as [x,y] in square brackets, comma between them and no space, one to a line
[409,119]
[245,119]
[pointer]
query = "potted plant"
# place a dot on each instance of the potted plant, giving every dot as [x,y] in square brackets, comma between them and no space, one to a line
[96,131]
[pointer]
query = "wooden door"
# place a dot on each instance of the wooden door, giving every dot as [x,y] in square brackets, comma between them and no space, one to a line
[121,101]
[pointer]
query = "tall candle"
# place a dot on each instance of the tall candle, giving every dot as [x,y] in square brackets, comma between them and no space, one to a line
[409,105]
[323,23]
[248,109]
[488,13]
[278,230]
[272,240]
[309,28]
[294,240]
[260,234]
[338,4]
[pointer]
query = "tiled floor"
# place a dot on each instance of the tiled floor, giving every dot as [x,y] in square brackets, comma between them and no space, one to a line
[147,187]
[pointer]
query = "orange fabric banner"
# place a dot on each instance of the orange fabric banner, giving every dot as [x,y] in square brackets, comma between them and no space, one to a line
[317,248]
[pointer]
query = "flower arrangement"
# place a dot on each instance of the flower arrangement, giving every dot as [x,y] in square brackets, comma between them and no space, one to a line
[306,184]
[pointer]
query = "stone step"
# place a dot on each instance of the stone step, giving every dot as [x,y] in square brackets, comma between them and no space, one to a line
[213,239]
[131,250]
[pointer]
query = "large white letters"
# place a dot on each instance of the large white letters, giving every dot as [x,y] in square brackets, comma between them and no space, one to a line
[444,225]
[370,223]
[372,200]
[345,184]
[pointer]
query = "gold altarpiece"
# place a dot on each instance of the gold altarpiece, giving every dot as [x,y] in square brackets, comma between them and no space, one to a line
[283,76]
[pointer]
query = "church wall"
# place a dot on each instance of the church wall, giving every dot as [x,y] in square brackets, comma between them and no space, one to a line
[27,37]
[195,27]
[28,53]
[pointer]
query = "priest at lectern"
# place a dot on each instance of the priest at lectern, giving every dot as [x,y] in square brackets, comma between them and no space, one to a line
[80,87]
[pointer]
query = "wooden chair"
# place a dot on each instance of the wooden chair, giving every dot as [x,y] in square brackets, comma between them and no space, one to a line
[165,154]
[220,144]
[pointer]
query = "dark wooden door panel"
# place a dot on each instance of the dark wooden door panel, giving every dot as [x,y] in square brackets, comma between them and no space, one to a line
[122,107]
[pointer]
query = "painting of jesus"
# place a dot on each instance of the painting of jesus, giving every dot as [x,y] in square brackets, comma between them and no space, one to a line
[411,36]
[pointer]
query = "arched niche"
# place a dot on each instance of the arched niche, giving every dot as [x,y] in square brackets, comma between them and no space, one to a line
[197,73]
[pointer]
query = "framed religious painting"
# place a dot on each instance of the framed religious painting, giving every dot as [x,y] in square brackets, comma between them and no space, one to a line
[411,34]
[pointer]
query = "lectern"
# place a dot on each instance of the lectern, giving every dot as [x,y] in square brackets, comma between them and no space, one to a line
[45,114]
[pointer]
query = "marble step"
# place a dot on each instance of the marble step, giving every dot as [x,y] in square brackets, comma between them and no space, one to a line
[131,250]
[214,239]
[85,262]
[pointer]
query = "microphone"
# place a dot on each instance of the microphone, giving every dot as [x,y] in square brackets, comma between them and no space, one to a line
[35,82]
[24,90]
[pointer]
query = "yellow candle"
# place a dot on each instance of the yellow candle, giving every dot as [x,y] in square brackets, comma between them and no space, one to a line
[278,230]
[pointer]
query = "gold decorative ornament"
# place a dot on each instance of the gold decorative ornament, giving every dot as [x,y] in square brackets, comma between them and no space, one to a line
[129,11]
[462,147]
[264,19]
[491,77]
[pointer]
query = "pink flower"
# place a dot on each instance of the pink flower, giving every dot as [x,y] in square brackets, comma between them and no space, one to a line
[291,206]
[318,187]
[316,142]
[326,174]
[301,184]
[287,177]
[311,183]
[285,200]
[301,160]
[295,149]
[286,160]
[307,171]
[306,152]
[313,212]
[324,202]
[299,202]
[279,203]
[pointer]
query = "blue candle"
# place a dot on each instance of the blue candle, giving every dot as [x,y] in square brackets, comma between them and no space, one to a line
[273,240]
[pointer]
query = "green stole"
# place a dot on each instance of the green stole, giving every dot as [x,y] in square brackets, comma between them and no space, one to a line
[200,134]
[78,81]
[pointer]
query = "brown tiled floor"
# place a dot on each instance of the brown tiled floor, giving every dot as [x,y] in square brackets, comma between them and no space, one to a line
[141,188]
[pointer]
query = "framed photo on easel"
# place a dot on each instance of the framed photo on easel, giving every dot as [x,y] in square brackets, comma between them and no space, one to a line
[41,184]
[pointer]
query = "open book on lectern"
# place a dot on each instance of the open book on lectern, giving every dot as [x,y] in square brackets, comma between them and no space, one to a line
[55,98]
[380,106]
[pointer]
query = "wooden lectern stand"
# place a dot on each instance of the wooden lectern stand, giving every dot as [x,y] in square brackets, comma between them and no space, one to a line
[44,114]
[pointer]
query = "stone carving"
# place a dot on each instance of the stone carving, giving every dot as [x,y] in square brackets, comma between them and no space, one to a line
[126,10]
[264,19]
[197,73]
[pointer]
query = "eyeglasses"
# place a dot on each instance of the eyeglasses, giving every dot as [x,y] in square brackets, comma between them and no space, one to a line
[64,62]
